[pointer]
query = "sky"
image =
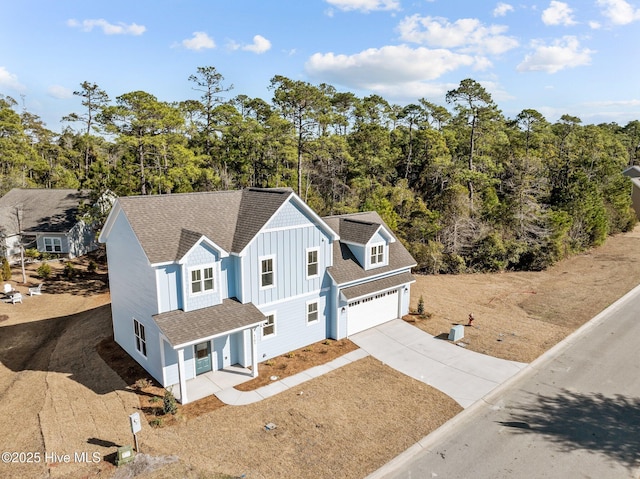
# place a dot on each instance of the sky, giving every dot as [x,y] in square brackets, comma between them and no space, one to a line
[575,57]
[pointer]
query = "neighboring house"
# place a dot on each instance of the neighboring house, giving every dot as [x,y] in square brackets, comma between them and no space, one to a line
[45,219]
[634,173]
[202,281]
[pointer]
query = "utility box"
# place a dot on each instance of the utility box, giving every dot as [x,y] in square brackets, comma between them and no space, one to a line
[125,454]
[456,333]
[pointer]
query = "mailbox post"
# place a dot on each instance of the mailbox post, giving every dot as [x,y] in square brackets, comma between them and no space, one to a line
[136,427]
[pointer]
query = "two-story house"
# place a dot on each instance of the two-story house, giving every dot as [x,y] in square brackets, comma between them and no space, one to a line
[202,281]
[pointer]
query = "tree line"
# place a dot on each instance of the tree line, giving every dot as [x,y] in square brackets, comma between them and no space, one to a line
[464,187]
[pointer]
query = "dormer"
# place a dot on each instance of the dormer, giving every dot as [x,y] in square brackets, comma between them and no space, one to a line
[368,241]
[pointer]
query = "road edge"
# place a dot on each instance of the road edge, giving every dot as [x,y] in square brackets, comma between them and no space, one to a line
[490,398]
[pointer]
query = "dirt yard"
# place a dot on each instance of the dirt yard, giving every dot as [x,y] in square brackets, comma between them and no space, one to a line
[518,316]
[58,396]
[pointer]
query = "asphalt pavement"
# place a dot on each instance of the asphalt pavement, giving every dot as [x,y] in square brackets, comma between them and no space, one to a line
[572,413]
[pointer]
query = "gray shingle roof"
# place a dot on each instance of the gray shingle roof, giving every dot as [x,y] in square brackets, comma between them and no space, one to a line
[167,226]
[43,210]
[374,286]
[346,268]
[353,230]
[183,328]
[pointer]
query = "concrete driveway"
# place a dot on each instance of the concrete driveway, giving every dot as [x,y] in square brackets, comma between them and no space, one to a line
[463,375]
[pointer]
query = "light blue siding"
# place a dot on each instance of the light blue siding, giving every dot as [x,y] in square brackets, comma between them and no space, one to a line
[289,215]
[169,280]
[132,283]
[205,256]
[289,249]
[64,242]
[377,238]
[360,253]
[171,374]
[292,329]
[81,239]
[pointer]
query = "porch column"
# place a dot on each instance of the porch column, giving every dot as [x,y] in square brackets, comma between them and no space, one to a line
[254,352]
[181,374]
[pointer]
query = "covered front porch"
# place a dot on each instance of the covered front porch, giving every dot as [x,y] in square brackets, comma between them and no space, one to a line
[206,384]
[209,349]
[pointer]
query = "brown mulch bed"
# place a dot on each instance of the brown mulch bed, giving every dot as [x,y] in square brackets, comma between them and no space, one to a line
[298,361]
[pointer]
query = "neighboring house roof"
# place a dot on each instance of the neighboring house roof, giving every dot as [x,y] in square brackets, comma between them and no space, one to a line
[207,322]
[42,210]
[632,171]
[167,226]
[345,267]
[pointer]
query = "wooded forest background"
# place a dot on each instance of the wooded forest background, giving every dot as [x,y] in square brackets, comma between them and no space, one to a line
[463,187]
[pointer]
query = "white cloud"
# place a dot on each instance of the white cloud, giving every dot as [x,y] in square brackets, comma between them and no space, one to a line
[60,92]
[558,13]
[386,67]
[259,45]
[594,25]
[502,9]
[10,81]
[199,41]
[562,53]
[467,34]
[108,28]
[619,12]
[365,5]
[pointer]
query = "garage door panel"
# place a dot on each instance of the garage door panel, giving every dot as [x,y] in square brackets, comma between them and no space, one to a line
[372,311]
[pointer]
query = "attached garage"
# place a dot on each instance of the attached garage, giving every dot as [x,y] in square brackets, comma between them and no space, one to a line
[371,311]
[375,302]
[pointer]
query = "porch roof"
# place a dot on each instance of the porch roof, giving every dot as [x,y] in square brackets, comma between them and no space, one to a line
[381,284]
[183,328]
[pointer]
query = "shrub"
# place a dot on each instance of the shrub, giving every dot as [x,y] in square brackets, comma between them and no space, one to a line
[69,270]
[31,254]
[6,270]
[169,403]
[44,271]
[92,267]
[421,306]
[157,422]
[143,383]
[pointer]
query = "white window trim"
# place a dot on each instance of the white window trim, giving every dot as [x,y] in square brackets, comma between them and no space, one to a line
[306,263]
[136,337]
[271,257]
[384,255]
[275,325]
[53,240]
[306,316]
[202,267]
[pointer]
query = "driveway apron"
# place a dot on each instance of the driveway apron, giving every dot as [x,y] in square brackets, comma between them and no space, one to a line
[463,375]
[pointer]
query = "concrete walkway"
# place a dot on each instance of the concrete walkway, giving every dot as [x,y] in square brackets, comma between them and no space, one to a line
[464,375]
[234,397]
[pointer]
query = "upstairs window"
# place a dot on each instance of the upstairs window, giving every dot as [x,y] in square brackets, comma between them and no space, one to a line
[377,254]
[266,273]
[312,263]
[202,280]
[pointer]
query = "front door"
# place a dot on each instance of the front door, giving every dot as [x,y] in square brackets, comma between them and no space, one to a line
[203,357]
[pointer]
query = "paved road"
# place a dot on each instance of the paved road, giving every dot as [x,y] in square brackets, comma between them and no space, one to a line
[574,413]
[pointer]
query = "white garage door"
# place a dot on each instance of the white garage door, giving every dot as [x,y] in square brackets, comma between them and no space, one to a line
[372,311]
